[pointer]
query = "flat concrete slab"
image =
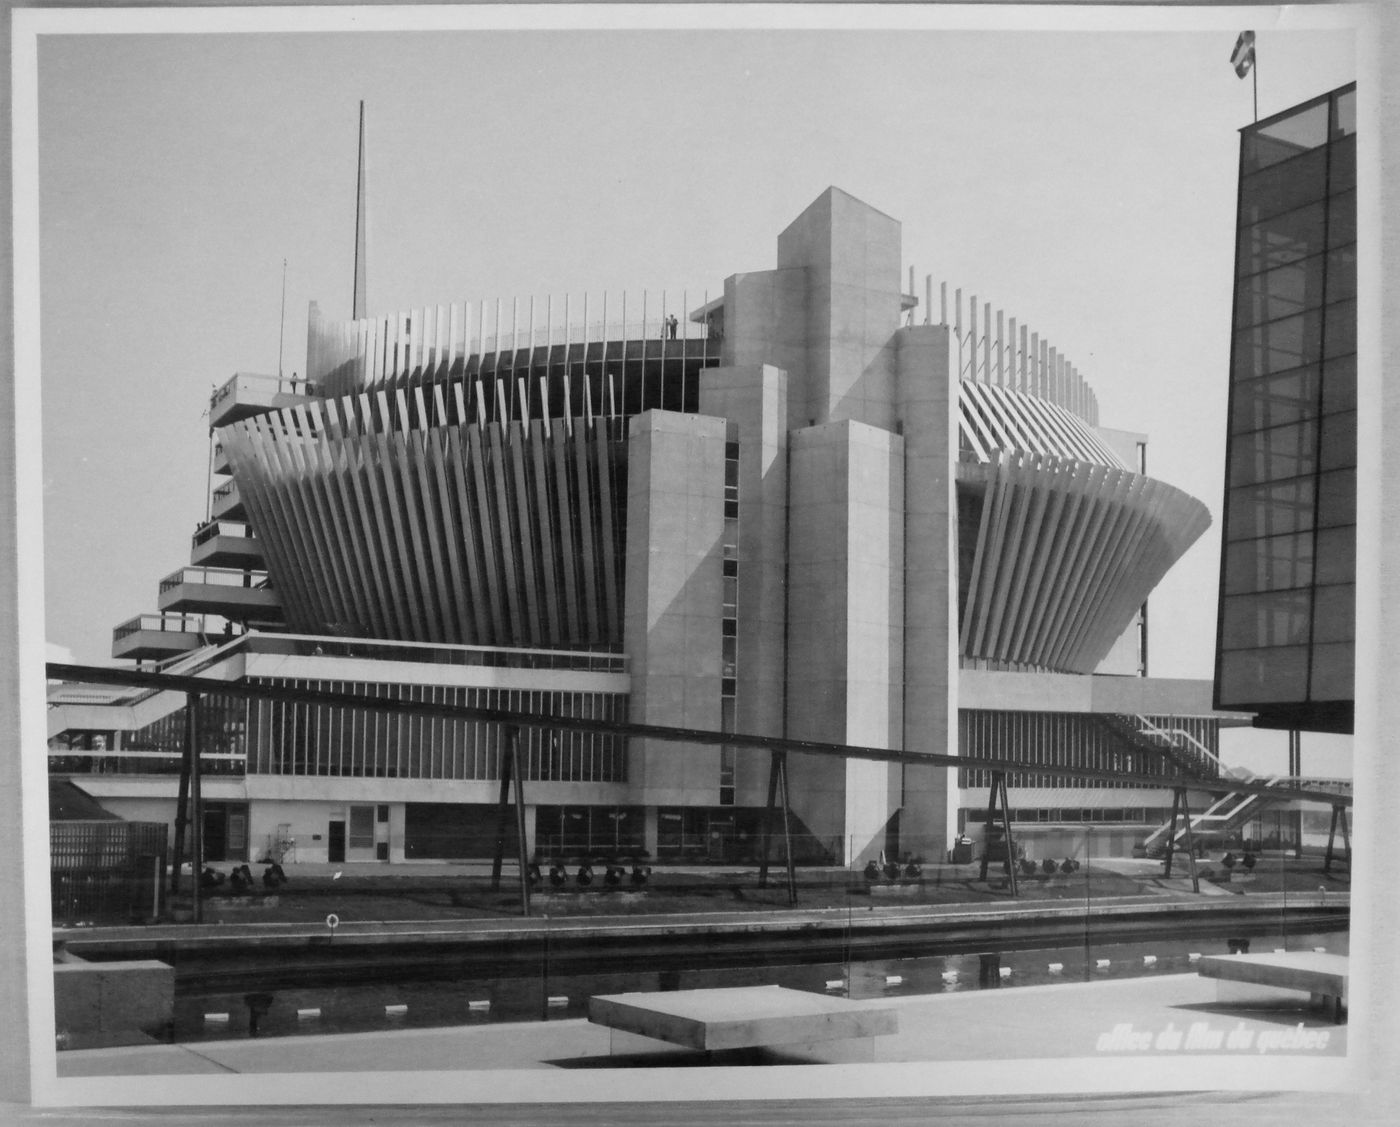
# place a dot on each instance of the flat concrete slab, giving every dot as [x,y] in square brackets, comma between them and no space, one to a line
[1317,972]
[741,1017]
[1242,978]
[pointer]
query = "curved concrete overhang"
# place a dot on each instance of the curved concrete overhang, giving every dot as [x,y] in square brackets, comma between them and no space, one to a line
[378,519]
[1066,552]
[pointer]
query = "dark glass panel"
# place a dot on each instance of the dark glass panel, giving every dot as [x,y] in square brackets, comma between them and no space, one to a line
[1287,137]
[1273,454]
[1339,385]
[1282,239]
[1276,618]
[1338,441]
[1275,400]
[1283,187]
[1280,292]
[1340,334]
[1257,676]
[1336,499]
[1341,273]
[1341,219]
[1277,345]
[1334,613]
[1336,555]
[1333,671]
[1269,564]
[1344,114]
[1342,174]
[1270,509]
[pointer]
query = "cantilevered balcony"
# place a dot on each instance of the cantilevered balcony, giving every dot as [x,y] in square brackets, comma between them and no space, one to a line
[228,505]
[225,543]
[250,394]
[218,459]
[152,636]
[239,595]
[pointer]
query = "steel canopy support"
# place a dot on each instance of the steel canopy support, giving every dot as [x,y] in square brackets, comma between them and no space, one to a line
[196,802]
[512,779]
[1179,802]
[520,823]
[777,781]
[1339,815]
[996,795]
[182,803]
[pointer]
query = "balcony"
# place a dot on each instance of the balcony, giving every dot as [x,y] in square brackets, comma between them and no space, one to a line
[239,595]
[219,459]
[153,636]
[249,394]
[228,505]
[225,543]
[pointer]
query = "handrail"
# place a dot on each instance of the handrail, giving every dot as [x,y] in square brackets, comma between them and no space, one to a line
[215,576]
[221,527]
[285,385]
[161,623]
[1150,728]
[318,645]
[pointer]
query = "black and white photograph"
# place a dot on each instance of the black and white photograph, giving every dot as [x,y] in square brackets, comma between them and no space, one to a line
[745,563]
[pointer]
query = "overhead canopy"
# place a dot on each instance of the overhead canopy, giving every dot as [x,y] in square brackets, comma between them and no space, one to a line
[68,802]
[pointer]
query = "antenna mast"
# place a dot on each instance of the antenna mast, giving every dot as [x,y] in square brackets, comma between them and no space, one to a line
[282,325]
[357,304]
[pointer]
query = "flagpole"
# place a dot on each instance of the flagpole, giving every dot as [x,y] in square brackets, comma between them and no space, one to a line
[1255,70]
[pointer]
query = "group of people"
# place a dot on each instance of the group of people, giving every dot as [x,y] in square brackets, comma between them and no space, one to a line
[670,326]
[241,879]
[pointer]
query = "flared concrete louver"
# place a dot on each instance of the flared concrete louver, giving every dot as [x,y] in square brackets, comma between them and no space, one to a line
[391,518]
[1066,552]
[992,418]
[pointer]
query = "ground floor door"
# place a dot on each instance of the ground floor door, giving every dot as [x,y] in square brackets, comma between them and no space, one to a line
[225,830]
[335,841]
[360,842]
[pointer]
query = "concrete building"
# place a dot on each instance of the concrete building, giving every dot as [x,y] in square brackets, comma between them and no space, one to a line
[804,508]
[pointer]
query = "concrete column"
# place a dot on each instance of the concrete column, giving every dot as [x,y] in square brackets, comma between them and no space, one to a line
[649,824]
[928,410]
[673,601]
[845,632]
[753,398]
[849,253]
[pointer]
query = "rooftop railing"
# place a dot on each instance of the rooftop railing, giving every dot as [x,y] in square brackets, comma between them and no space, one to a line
[444,338]
[216,528]
[266,385]
[314,645]
[214,576]
[161,623]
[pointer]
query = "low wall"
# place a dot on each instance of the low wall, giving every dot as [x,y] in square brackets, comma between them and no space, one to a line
[112,997]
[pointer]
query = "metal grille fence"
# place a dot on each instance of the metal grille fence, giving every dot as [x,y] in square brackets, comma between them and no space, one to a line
[106,872]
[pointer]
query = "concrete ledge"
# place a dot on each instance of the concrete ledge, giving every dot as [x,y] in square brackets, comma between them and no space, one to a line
[241,903]
[113,997]
[574,899]
[740,1017]
[1322,976]
[902,888]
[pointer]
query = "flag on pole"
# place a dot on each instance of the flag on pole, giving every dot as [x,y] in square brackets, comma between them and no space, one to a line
[1242,59]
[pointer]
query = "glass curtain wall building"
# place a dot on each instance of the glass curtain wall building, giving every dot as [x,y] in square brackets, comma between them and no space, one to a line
[1285,643]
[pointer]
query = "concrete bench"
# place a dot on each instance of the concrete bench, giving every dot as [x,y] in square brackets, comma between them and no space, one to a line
[743,1017]
[1322,976]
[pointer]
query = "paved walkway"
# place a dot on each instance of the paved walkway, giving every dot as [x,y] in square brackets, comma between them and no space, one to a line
[1113,1020]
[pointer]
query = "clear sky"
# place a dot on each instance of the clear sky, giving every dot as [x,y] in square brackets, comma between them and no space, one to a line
[1083,181]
